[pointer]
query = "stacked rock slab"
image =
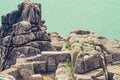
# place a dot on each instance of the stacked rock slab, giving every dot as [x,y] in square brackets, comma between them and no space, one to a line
[91,52]
[57,41]
[23,33]
[87,52]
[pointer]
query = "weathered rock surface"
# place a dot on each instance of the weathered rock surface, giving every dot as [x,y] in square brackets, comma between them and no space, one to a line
[12,71]
[63,72]
[44,63]
[52,59]
[28,51]
[25,73]
[36,77]
[57,41]
[90,75]
[87,49]
[22,33]
[114,71]
[87,63]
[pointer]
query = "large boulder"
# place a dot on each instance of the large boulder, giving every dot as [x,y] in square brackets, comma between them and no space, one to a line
[22,28]
[30,12]
[111,47]
[87,63]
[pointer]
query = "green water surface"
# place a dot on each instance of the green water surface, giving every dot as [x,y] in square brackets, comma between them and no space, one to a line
[63,16]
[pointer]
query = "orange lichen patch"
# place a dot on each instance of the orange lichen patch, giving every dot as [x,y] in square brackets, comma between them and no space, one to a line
[45,77]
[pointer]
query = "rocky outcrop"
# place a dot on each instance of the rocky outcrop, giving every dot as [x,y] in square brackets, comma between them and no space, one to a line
[52,59]
[88,49]
[89,52]
[27,11]
[27,51]
[22,33]
[57,41]
[31,68]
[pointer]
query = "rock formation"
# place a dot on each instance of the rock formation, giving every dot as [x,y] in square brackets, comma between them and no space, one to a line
[63,72]
[28,52]
[23,33]
[90,52]
[57,41]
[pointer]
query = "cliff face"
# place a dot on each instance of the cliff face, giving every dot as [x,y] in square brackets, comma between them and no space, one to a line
[27,11]
[22,33]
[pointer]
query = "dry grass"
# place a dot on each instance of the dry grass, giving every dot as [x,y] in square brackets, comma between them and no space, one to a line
[45,77]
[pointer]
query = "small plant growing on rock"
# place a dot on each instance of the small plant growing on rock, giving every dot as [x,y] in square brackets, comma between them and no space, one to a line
[70,66]
[42,78]
[53,77]
[68,46]
[20,78]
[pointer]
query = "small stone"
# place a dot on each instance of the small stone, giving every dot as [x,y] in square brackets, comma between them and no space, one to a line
[36,77]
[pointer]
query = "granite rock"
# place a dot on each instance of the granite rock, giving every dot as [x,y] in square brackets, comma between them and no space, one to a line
[22,33]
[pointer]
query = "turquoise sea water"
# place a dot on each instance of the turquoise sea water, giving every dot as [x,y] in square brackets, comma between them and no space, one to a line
[63,16]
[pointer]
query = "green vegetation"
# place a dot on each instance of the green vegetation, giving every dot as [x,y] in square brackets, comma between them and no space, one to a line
[68,46]
[70,66]
[53,77]
[20,78]
[42,78]
[1,78]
